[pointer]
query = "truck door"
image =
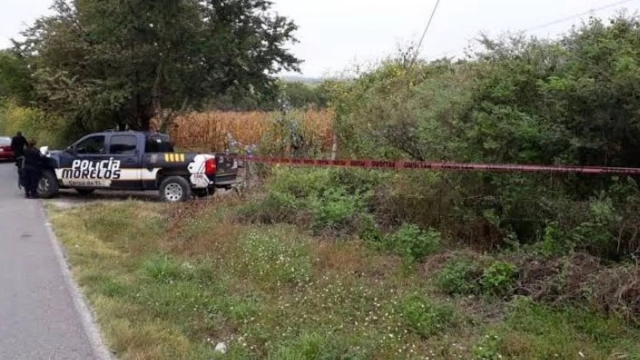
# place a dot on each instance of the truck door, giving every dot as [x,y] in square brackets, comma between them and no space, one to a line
[123,149]
[88,165]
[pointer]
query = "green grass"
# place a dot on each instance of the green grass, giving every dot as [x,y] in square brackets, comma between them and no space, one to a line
[561,334]
[171,281]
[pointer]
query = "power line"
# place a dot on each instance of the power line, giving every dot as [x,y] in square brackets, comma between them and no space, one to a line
[558,21]
[561,20]
[424,33]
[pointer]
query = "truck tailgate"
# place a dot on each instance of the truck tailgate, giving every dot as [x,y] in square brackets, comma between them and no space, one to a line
[227,169]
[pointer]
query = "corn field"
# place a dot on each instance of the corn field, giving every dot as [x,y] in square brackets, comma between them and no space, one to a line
[220,131]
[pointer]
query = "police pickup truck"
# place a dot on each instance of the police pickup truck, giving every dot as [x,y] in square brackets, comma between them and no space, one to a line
[134,161]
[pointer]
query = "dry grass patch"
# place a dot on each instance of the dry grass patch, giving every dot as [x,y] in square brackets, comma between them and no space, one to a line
[209,130]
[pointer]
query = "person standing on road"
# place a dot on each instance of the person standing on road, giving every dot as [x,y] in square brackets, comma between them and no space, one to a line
[32,170]
[18,144]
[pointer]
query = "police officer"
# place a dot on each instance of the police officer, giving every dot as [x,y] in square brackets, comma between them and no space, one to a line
[32,170]
[18,143]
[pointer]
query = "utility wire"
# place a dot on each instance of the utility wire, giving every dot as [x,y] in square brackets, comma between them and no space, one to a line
[561,20]
[571,17]
[424,33]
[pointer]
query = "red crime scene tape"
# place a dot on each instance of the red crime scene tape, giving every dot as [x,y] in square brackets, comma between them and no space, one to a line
[415,165]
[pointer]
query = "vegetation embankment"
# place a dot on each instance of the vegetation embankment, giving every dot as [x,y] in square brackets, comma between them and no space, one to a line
[171,282]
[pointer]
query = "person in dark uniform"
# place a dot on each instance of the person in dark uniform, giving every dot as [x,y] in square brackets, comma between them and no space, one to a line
[18,144]
[32,170]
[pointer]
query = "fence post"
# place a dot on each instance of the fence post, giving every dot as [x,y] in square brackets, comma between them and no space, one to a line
[334,146]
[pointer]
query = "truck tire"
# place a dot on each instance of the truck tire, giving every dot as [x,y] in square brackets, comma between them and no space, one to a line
[84,192]
[48,185]
[175,189]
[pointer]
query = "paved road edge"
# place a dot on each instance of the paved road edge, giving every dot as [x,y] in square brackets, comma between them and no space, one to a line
[82,308]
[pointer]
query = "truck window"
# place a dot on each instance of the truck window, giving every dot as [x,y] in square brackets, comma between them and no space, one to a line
[155,145]
[91,145]
[123,145]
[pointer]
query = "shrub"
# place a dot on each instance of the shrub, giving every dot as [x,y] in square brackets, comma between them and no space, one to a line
[603,225]
[555,241]
[499,278]
[359,180]
[317,198]
[368,229]
[300,183]
[413,243]
[425,317]
[275,207]
[467,276]
[336,210]
[287,195]
[595,234]
[459,277]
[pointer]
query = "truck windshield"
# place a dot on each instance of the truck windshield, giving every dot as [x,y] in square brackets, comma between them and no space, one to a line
[155,145]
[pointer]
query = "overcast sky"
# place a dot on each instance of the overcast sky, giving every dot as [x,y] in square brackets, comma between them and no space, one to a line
[335,34]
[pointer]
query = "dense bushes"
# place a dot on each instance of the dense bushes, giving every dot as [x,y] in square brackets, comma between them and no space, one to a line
[469,276]
[517,101]
[321,199]
[337,203]
[523,101]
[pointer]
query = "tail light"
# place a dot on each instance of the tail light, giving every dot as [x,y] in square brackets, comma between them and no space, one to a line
[210,167]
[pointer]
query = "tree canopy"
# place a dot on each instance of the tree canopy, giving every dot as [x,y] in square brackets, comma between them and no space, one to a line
[15,79]
[123,62]
[520,100]
[573,100]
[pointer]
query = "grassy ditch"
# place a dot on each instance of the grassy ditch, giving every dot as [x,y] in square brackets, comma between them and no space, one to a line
[170,282]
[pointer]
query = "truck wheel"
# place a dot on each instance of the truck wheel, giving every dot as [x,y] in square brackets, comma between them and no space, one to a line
[84,192]
[174,189]
[48,185]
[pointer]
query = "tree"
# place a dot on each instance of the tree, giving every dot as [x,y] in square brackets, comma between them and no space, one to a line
[301,95]
[570,101]
[123,62]
[15,79]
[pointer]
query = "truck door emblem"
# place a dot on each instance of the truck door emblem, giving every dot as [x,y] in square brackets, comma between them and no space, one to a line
[91,173]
